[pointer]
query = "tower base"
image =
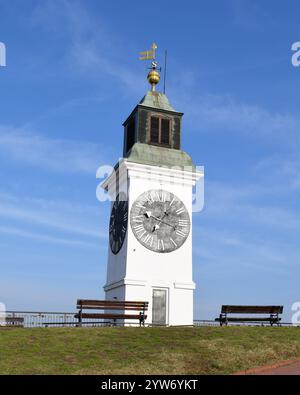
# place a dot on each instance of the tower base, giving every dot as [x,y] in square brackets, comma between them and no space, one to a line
[170,303]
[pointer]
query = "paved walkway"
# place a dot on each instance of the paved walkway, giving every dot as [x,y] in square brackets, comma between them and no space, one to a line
[283,368]
[291,369]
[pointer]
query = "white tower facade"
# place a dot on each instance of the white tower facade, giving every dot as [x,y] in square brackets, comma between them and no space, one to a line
[150,247]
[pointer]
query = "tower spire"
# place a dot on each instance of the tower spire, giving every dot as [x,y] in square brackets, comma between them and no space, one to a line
[153,76]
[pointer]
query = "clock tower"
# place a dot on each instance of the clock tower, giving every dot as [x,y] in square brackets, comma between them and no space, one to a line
[150,230]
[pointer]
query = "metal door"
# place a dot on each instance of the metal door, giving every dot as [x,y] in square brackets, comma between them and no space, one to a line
[159,306]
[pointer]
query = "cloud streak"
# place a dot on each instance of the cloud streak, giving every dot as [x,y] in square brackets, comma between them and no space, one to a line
[224,114]
[59,215]
[18,232]
[57,155]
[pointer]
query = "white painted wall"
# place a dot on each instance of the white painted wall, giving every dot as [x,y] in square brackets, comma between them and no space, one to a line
[135,270]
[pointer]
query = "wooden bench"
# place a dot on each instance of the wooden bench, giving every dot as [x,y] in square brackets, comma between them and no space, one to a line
[272,319]
[117,310]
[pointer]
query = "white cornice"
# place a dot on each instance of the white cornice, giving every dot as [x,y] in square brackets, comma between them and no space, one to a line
[168,175]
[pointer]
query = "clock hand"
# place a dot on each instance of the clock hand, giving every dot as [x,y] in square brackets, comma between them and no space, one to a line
[165,213]
[162,222]
[147,214]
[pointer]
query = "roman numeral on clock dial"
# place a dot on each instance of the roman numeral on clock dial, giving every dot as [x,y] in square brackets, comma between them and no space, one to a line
[180,210]
[160,244]
[139,228]
[183,222]
[173,242]
[148,239]
[180,233]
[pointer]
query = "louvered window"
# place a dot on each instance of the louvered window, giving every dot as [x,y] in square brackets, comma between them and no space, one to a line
[154,132]
[165,132]
[160,131]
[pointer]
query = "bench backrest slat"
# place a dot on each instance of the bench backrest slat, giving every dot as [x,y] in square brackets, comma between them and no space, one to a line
[96,302]
[252,309]
[108,301]
[111,305]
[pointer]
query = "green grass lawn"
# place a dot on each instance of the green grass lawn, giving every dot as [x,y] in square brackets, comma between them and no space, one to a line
[202,350]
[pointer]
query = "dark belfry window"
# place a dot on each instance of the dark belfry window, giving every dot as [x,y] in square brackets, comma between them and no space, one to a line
[160,131]
[130,134]
[154,130]
[165,132]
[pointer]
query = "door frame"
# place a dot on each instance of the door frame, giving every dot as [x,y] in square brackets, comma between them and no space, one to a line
[167,302]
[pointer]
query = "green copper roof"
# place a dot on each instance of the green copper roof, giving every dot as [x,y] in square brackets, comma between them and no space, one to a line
[159,156]
[156,100]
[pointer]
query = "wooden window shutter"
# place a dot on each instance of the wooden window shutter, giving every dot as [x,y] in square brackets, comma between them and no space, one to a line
[154,130]
[165,132]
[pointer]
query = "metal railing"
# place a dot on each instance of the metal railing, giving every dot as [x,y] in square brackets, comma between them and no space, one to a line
[206,323]
[34,319]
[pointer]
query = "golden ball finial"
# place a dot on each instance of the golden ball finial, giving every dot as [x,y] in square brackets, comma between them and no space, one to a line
[153,78]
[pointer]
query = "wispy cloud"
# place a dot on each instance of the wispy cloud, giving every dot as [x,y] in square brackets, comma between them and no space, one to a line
[67,156]
[69,106]
[18,232]
[282,168]
[56,215]
[250,15]
[225,114]
[263,205]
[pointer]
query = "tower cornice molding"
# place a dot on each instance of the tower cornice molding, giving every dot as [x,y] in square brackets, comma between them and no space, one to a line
[125,170]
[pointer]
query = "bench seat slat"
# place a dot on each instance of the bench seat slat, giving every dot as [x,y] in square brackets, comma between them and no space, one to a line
[112,316]
[252,319]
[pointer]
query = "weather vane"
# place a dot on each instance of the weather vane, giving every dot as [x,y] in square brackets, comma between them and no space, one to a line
[153,76]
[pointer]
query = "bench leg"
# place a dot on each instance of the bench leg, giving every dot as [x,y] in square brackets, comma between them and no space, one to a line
[221,319]
[80,318]
[274,319]
[142,319]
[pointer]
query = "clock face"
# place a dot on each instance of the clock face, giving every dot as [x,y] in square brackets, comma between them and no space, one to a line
[118,224]
[160,221]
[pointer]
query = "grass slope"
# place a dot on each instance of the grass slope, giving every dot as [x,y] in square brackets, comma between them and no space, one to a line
[202,350]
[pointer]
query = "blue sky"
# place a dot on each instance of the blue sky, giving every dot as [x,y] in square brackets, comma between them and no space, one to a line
[72,78]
